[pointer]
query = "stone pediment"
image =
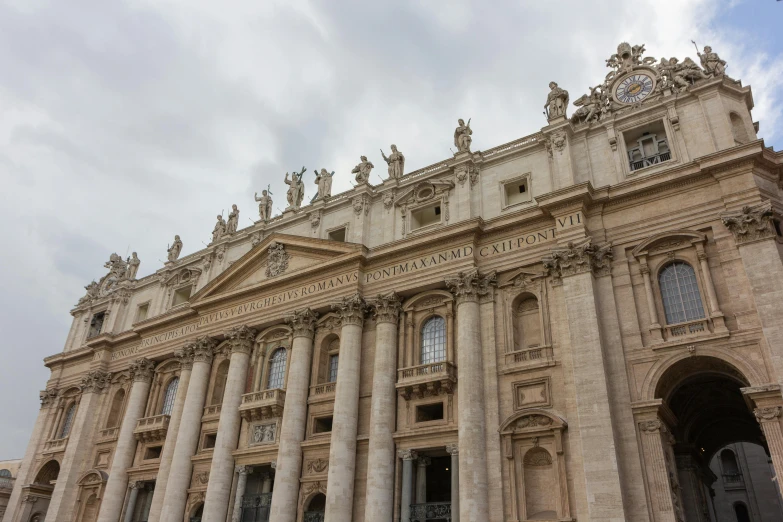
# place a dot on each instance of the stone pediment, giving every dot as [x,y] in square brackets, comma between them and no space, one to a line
[277,256]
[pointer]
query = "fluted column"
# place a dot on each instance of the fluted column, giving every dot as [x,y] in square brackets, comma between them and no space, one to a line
[292,431]
[379,505]
[453,450]
[80,442]
[242,473]
[769,418]
[406,496]
[652,433]
[468,287]
[221,473]
[185,357]
[134,488]
[189,430]
[652,310]
[712,300]
[141,371]
[342,451]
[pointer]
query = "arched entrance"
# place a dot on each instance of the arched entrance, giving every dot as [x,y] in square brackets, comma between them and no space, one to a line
[196,513]
[314,510]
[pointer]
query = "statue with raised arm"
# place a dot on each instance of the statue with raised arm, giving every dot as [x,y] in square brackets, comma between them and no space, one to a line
[556,101]
[462,133]
[686,73]
[219,230]
[362,171]
[175,249]
[264,205]
[133,263]
[711,62]
[233,220]
[324,181]
[396,162]
[295,192]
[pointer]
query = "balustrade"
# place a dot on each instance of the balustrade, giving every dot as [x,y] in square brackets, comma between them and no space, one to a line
[426,379]
[212,412]
[262,404]
[534,356]
[256,507]
[154,428]
[430,511]
[314,516]
[55,445]
[322,392]
[689,329]
[108,434]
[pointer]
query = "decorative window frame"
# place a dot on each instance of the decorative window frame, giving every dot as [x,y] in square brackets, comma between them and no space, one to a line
[136,319]
[328,328]
[670,122]
[93,482]
[416,311]
[528,179]
[266,342]
[187,276]
[345,225]
[421,195]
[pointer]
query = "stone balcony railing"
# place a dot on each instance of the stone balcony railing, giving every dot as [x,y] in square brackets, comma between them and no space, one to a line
[108,434]
[265,404]
[7,483]
[430,511]
[54,445]
[426,379]
[212,412]
[323,392]
[688,329]
[151,429]
[531,356]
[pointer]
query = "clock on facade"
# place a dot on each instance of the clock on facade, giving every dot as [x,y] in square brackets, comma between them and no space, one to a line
[634,88]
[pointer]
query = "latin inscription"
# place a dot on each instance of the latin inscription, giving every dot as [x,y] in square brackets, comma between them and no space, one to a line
[414,265]
[127,352]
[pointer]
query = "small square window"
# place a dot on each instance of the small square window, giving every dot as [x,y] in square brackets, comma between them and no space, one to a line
[209,441]
[153,453]
[426,216]
[516,191]
[337,235]
[181,295]
[142,312]
[429,412]
[322,425]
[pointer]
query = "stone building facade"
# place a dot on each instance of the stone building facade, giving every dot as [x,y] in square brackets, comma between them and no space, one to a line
[564,327]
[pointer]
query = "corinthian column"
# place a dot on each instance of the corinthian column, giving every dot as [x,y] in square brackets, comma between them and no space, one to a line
[189,430]
[342,451]
[769,418]
[185,357]
[80,440]
[379,503]
[113,497]
[221,473]
[242,473]
[292,431]
[468,287]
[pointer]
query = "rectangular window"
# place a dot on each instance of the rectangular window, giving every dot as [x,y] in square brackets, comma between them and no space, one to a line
[337,235]
[96,324]
[333,360]
[153,453]
[426,216]
[142,311]
[429,412]
[209,441]
[647,146]
[516,192]
[181,295]
[322,425]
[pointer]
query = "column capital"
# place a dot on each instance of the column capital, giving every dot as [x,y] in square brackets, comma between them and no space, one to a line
[241,338]
[651,426]
[48,397]
[386,308]
[752,223]
[136,485]
[95,381]
[244,470]
[452,449]
[423,461]
[351,309]
[302,322]
[767,414]
[142,369]
[579,258]
[185,356]
[407,454]
[469,285]
[203,349]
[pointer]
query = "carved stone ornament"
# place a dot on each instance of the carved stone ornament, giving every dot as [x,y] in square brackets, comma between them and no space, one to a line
[116,279]
[256,238]
[467,171]
[360,203]
[471,284]
[202,478]
[315,218]
[753,223]
[768,414]
[533,421]
[302,322]
[241,338]
[386,308]
[351,309]
[203,349]
[243,470]
[559,141]
[95,381]
[48,397]
[651,426]
[142,369]
[313,487]
[576,259]
[264,433]
[185,356]
[452,449]
[317,465]
[388,199]
[277,260]
[407,454]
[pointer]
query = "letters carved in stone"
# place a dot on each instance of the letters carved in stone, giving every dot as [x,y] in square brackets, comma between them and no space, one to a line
[302,322]
[240,339]
[751,224]
[351,309]
[471,284]
[577,259]
[386,308]
[142,369]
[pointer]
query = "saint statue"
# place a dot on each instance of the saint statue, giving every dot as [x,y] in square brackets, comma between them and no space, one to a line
[264,205]
[175,249]
[133,266]
[295,192]
[233,220]
[362,171]
[219,230]
[324,181]
[711,62]
[462,137]
[396,162]
[556,101]
[685,73]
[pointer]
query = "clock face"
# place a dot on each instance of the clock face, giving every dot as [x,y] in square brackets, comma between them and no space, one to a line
[634,88]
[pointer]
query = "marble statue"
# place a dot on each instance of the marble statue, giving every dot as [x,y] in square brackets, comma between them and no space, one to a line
[219,230]
[396,162]
[92,293]
[264,205]
[133,263]
[175,249]
[362,171]
[462,135]
[682,74]
[556,101]
[233,220]
[324,181]
[711,62]
[295,192]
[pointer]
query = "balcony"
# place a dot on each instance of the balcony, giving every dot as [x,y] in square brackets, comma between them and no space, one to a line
[264,404]
[108,434]
[322,392]
[150,429]
[426,379]
[6,483]
[651,160]
[256,507]
[212,413]
[685,330]
[430,511]
[313,516]
[55,445]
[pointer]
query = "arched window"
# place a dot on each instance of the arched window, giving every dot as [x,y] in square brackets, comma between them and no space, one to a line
[738,129]
[67,421]
[433,340]
[5,473]
[169,396]
[527,323]
[680,293]
[741,512]
[220,384]
[115,412]
[276,369]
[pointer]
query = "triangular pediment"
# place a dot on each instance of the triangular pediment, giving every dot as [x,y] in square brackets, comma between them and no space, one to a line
[279,256]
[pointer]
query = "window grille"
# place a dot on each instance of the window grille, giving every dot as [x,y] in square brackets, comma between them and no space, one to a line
[680,293]
[168,398]
[333,362]
[276,369]
[66,429]
[433,341]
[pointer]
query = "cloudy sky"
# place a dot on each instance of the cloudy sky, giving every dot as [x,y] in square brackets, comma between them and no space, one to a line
[125,122]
